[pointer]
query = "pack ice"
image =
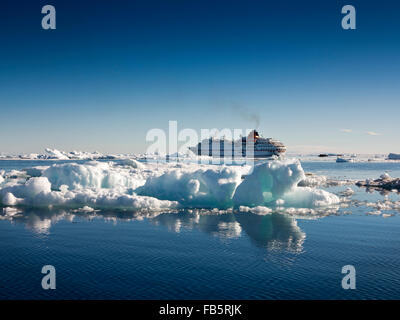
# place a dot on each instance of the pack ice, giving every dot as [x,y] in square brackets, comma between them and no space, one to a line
[132,185]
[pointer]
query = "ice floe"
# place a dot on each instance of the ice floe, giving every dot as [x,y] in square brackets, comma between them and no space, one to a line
[134,185]
[260,210]
[348,192]
[385,182]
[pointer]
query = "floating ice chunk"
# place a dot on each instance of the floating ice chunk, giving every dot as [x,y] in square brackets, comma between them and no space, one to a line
[93,184]
[312,180]
[348,192]
[87,209]
[188,154]
[55,154]
[375,213]
[385,176]
[163,186]
[37,194]
[260,210]
[309,198]
[9,199]
[132,163]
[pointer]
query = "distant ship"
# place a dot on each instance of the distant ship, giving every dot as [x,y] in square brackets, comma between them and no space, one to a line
[251,146]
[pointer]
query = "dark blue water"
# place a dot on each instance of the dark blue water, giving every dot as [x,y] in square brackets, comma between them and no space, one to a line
[119,255]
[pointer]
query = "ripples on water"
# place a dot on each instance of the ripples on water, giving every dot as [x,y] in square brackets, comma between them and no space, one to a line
[198,256]
[204,255]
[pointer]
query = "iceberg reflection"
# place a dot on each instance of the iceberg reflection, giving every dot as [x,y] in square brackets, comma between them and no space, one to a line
[273,231]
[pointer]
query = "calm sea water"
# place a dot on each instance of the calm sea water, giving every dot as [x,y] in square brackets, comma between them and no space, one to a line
[186,255]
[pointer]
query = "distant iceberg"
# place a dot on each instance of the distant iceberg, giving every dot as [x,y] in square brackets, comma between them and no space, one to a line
[55,154]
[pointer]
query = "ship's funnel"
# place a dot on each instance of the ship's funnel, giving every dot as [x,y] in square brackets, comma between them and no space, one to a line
[253,135]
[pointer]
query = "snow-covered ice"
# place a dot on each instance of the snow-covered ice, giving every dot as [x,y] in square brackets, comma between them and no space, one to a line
[278,180]
[133,185]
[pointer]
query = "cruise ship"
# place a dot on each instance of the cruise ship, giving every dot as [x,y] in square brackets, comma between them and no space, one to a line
[251,146]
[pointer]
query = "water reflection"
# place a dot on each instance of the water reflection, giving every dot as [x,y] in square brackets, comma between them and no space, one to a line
[274,232]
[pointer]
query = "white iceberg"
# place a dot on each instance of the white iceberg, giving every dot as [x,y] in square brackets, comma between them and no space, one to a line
[278,180]
[55,154]
[163,186]
[207,186]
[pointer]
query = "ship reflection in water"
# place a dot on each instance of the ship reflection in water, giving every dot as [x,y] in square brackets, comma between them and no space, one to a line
[273,232]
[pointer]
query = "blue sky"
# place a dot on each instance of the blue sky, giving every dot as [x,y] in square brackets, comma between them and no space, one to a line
[111,71]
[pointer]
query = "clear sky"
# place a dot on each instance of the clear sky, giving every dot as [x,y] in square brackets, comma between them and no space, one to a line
[112,70]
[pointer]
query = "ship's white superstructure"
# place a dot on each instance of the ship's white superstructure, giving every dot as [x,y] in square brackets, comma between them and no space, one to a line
[251,146]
